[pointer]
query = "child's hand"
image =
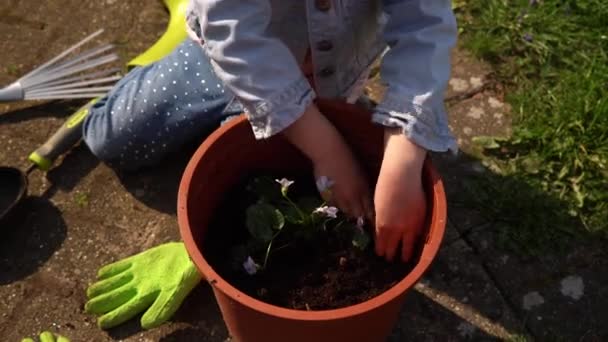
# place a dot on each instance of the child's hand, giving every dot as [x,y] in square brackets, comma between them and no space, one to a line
[399,198]
[349,190]
[319,140]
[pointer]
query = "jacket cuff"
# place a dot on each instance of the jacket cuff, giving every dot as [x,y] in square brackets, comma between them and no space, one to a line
[425,127]
[271,116]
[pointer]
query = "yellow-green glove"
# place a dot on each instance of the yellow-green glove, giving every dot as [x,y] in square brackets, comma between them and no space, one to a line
[158,280]
[47,336]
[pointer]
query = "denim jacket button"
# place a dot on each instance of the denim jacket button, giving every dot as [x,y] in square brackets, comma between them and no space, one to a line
[327,71]
[323,5]
[324,45]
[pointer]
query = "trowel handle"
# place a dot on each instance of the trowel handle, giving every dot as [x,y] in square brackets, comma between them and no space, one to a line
[64,139]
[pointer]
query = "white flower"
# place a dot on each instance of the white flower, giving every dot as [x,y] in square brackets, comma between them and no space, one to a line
[250,266]
[360,222]
[285,184]
[327,211]
[324,183]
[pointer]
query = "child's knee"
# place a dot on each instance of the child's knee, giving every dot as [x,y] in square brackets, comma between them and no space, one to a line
[120,142]
[101,135]
[97,138]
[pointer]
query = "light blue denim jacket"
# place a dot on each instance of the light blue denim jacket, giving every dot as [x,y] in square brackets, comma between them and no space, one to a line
[256,48]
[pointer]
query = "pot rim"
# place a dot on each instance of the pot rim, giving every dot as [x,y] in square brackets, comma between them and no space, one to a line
[429,251]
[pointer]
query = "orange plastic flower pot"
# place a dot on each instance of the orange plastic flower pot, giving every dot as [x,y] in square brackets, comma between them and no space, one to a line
[231,153]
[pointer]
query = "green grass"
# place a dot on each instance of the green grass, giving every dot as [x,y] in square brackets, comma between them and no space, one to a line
[552,56]
[82,199]
[518,338]
[11,70]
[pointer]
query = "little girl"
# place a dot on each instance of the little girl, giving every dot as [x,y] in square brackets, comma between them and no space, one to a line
[270,59]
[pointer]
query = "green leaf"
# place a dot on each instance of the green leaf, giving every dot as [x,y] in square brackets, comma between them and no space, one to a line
[309,204]
[306,204]
[361,239]
[266,188]
[456,4]
[531,164]
[486,142]
[262,219]
[279,222]
[290,213]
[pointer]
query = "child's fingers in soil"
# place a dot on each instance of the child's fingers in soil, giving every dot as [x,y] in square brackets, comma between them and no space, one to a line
[389,239]
[407,247]
[394,240]
[368,206]
[379,242]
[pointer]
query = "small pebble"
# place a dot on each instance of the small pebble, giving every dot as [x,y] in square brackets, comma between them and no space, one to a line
[459,84]
[495,103]
[476,82]
[532,300]
[573,287]
[465,329]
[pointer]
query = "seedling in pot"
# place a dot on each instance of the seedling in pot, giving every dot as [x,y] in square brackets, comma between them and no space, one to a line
[277,221]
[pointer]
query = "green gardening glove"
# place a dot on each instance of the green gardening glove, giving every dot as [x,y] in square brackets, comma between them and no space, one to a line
[156,280]
[48,337]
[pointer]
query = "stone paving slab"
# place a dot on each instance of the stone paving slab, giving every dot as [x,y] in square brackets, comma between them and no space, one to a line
[456,301]
[559,296]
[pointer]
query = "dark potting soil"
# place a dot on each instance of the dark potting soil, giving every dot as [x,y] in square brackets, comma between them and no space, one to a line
[328,273]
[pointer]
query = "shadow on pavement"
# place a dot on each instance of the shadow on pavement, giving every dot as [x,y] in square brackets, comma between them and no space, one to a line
[34,235]
[74,167]
[199,313]
[157,186]
[544,264]
[57,109]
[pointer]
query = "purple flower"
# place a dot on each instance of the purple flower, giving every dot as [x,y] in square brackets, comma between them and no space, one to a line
[250,266]
[285,184]
[324,184]
[331,212]
[528,37]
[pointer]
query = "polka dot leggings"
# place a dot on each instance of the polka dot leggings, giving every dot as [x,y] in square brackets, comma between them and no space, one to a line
[155,109]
